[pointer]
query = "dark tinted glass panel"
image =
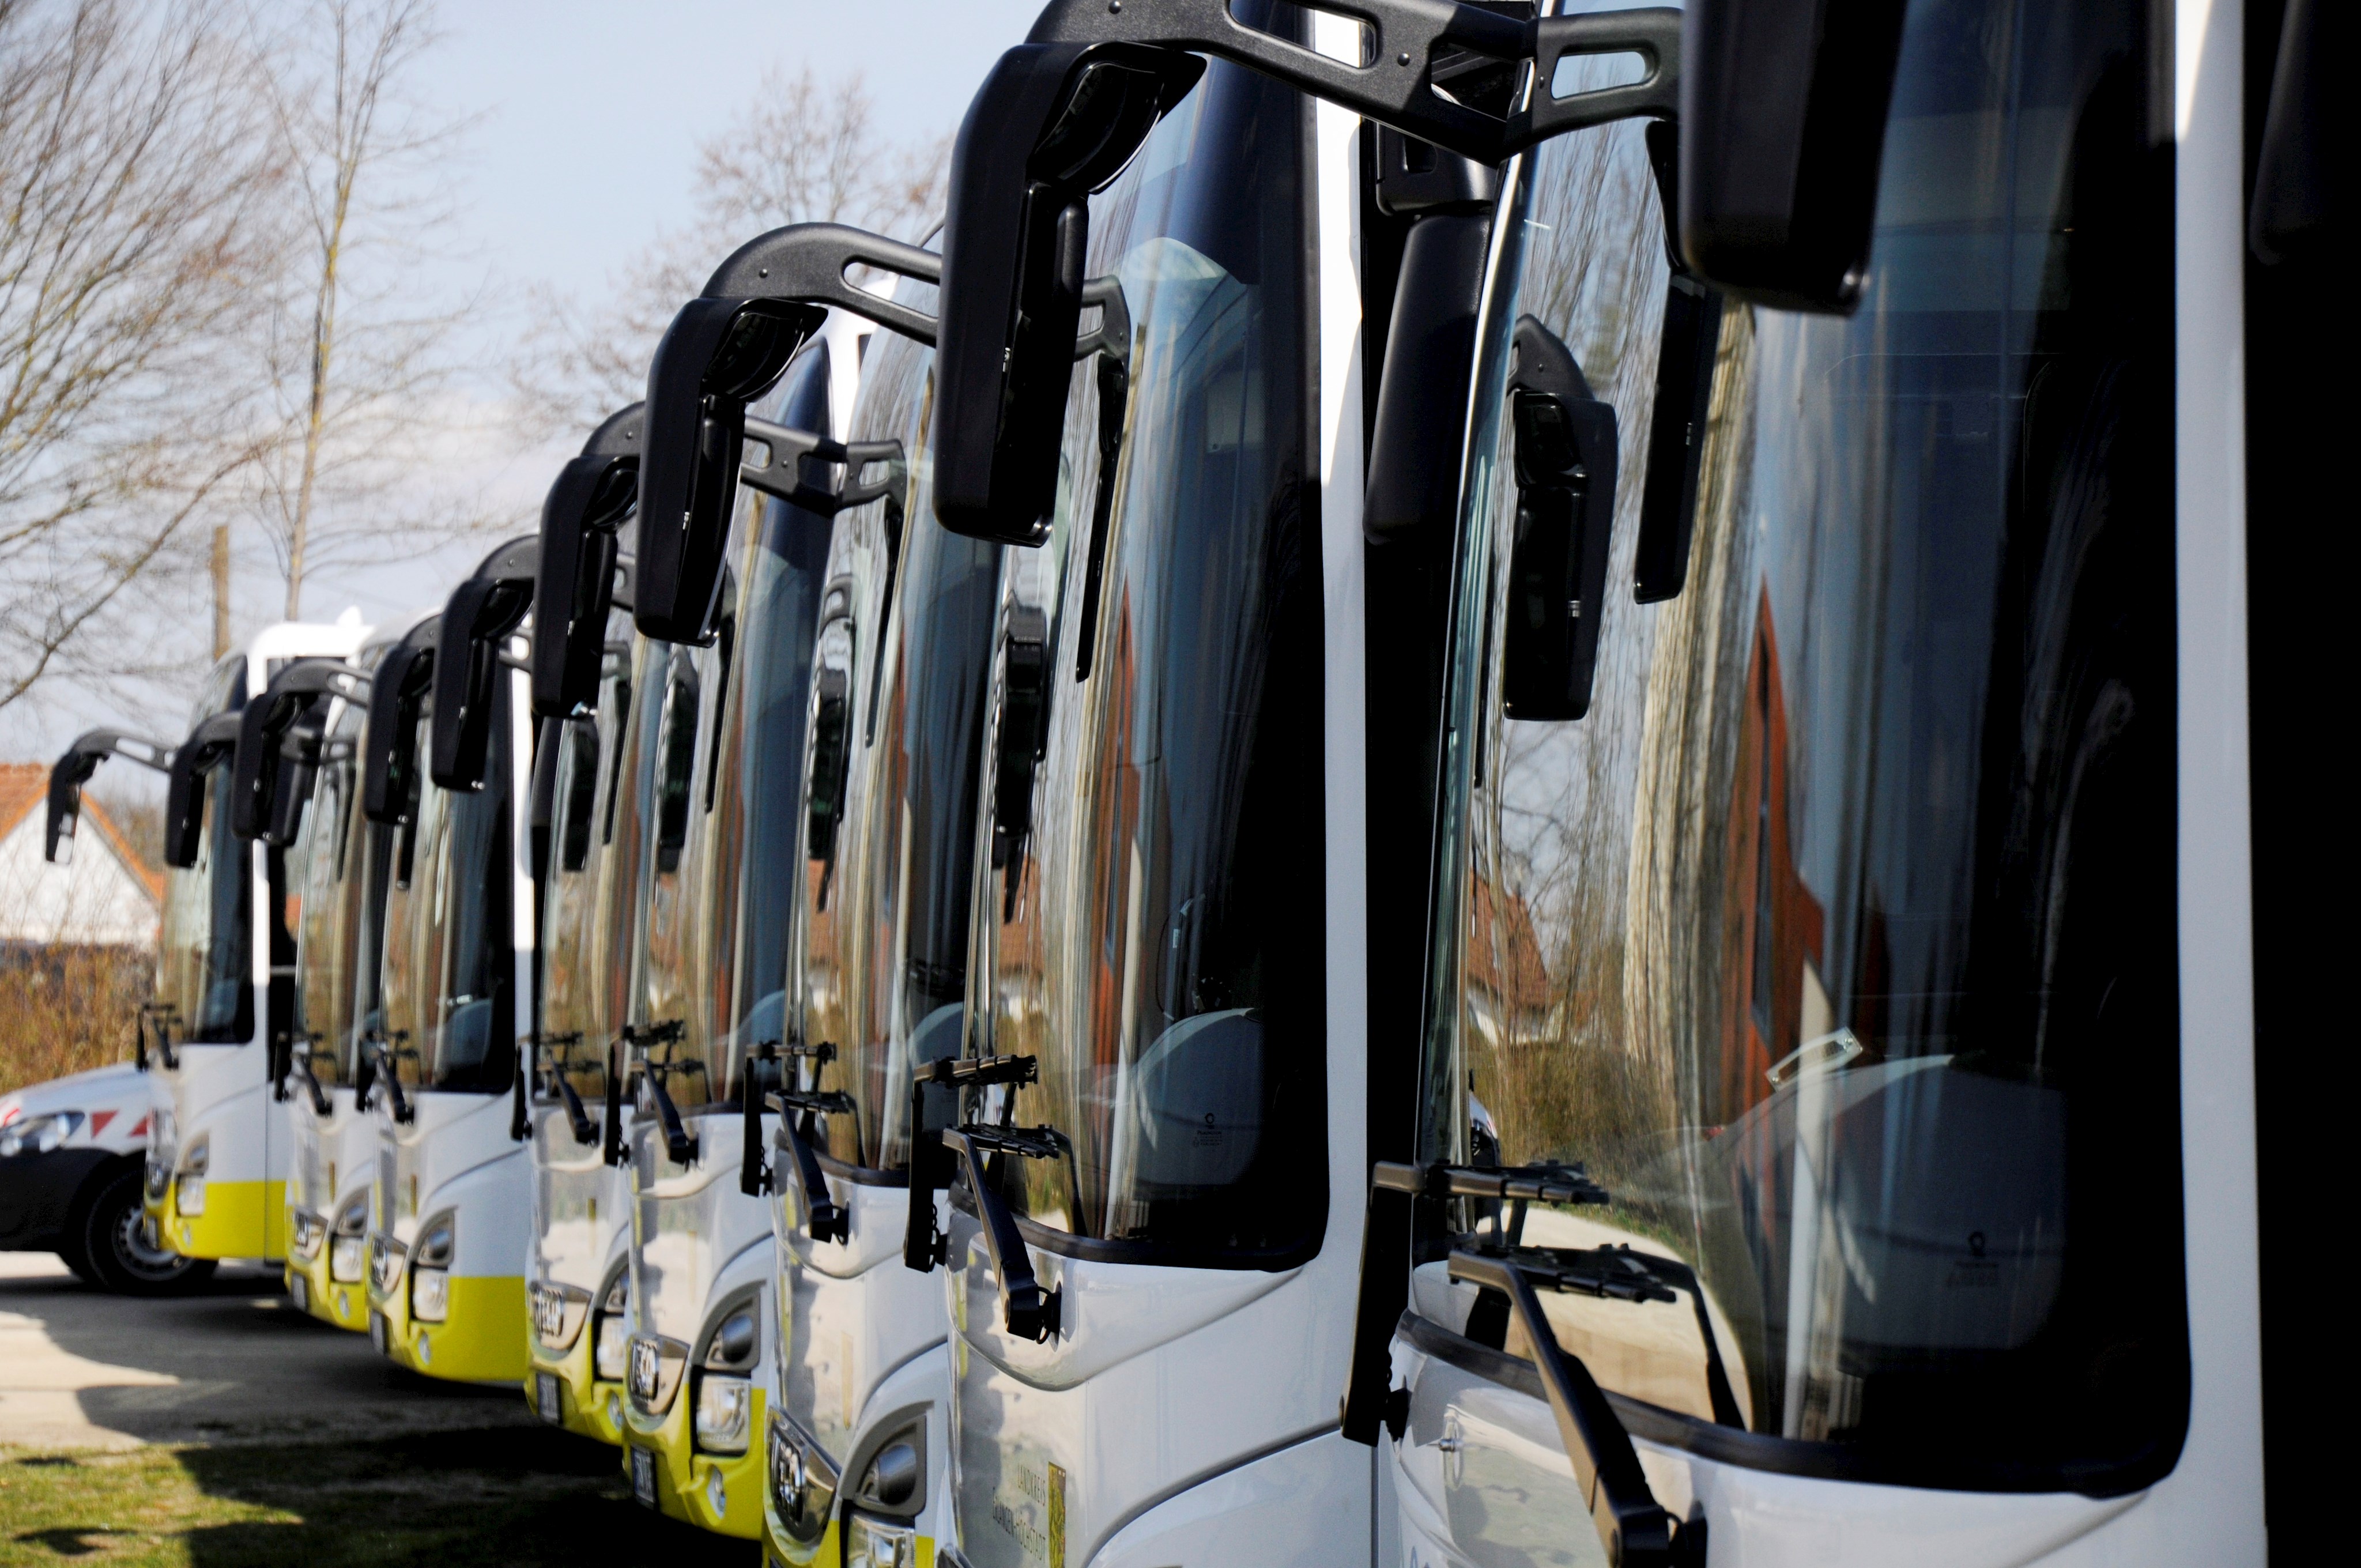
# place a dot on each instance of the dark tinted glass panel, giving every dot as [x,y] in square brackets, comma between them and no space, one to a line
[760,771]
[1156,911]
[892,855]
[1838,940]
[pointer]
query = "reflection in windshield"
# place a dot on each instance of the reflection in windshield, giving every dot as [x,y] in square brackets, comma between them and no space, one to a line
[208,936]
[1156,931]
[586,900]
[449,946]
[1838,940]
[344,897]
[897,703]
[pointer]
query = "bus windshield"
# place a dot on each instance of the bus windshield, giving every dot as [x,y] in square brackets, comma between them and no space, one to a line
[343,899]
[205,959]
[1838,940]
[1154,917]
[897,704]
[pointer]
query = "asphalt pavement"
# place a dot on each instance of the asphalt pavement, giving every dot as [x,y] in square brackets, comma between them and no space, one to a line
[231,1362]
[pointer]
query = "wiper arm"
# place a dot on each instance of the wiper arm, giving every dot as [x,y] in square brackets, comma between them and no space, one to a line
[1028,1311]
[321,1105]
[1620,1273]
[824,1219]
[923,1246]
[163,1015]
[382,1051]
[680,1144]
[1371,1400]
[1633,1527]
[559,1071]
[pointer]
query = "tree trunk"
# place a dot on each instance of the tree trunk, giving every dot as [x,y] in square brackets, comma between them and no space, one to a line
[221,589]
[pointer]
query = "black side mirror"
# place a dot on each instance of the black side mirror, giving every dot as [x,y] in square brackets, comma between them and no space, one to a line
[1565,453]
[1052,123]
[477,620]
[390,741]
[73,769]
[1062,113]
[1022,731]
[581,522]
[1782,129]
[295,692]
[184,794]
[724,350]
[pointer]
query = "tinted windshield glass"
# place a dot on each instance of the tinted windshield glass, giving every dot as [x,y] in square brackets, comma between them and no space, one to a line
[1838,939]
[758,777]
[208,937]
[586,921]
[897,704]
[343,894]
[1160,948]
[678,977]
[458,1001]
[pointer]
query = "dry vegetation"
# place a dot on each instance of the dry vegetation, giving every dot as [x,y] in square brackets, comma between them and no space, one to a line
[68,1009]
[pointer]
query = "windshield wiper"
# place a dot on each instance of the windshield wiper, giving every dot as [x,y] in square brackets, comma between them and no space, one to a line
[680,1144]
[1612,1273]
[1028,1310]
[382,1052]
[300,1057]
[610,1152]
[163,1014]
[1371,1400]
[558,1071]
[1634,1528]
[823,1218]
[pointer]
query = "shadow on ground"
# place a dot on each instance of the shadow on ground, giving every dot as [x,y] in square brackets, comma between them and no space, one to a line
[452,1500]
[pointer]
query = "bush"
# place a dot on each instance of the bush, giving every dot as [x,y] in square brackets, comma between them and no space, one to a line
[68,1009]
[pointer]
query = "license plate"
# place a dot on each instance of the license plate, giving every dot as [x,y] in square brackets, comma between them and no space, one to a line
[300,1289]
[643,1478]
[378,1335]
[545,1388]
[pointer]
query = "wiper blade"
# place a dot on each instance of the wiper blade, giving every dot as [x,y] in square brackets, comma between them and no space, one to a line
[1633,1527]
[321,1105]
[1028,1310]
[1371,1400]
[680,1144]
[383,1052]
[923,1246]
[559,1070]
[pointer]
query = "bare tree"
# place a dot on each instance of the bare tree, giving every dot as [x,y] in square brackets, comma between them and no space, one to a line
[359,359]
[135,184]
[802,151]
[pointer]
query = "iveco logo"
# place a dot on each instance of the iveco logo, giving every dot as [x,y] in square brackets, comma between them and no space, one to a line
[644,1370]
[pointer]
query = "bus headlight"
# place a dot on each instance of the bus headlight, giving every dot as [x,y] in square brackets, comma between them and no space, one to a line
[725,1412]
[429,1294]
[190,1198]
[873,1543]
[610,1334]
[348,1254]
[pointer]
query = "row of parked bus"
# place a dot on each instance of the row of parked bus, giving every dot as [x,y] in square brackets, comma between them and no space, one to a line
[1460,796]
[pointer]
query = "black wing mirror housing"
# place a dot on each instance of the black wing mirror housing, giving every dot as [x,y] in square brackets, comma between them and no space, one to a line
[573,585]
[477,620]
[1565,463]
[390,780]
[184,794]
[261,771]
[73,769]
[1012,250]
[1783,105]
[723,351]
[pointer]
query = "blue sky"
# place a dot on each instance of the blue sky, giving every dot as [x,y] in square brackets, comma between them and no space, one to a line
[587,116]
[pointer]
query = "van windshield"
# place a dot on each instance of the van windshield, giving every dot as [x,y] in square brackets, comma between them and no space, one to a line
[1838,940]
[1155,931]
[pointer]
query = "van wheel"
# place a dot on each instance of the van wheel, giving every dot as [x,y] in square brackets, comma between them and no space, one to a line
[113,1238]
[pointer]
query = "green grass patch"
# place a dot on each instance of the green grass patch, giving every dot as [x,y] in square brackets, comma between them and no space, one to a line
[452,1499]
